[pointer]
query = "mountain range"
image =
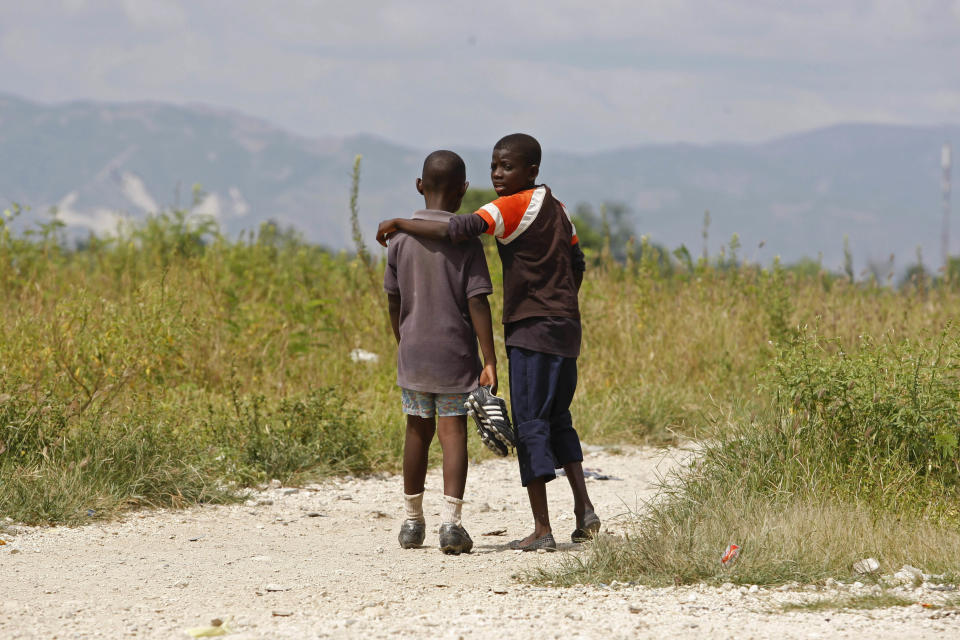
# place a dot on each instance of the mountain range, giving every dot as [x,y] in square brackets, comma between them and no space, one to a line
[794,196]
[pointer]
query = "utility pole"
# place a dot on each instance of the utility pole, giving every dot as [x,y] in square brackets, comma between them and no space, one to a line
[945,186]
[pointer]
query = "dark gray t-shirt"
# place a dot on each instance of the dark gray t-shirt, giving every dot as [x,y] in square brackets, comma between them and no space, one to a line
[434,279]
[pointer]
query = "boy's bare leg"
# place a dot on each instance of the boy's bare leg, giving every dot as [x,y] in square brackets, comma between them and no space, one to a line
[537,493]
[581,500]
[452,433]
[416,444]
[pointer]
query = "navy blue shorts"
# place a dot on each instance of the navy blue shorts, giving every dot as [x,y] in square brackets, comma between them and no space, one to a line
[541,389]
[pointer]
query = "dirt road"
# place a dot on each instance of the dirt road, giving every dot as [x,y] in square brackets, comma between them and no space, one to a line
[323,562]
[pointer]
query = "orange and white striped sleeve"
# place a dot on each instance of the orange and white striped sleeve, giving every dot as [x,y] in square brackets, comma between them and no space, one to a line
[505,214]
[509,216]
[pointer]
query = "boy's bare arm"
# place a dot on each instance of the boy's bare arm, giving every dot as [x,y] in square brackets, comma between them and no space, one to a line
[393,304]
[422,228]
[458,229]
[483,327]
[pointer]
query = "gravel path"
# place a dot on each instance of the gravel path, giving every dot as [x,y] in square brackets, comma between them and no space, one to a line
[323,562]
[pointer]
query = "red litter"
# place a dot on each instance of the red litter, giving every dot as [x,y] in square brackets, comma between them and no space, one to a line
[730,555]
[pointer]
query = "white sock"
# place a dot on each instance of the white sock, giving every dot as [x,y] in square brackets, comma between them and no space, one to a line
[413,506]
[451,510]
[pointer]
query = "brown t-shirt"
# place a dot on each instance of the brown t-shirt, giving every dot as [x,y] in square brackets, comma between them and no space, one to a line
[557,336]
[434,279]
[542,268]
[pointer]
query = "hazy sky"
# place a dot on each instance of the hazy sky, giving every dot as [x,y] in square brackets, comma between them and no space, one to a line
[438,73]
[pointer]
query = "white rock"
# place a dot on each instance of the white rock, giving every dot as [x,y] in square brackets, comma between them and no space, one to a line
[867,565]
[907,575]
[362,355]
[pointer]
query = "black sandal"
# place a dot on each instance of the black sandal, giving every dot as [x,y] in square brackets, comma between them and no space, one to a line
[587,530]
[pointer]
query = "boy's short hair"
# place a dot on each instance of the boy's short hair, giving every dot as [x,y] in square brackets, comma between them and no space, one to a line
[526,145]
[443,170]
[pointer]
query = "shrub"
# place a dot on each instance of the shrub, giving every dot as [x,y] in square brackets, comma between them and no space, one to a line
[880,421]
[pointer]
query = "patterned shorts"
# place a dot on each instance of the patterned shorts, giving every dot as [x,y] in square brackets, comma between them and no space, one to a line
[426,405]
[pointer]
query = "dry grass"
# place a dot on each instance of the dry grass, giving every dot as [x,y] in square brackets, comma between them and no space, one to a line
[780,542]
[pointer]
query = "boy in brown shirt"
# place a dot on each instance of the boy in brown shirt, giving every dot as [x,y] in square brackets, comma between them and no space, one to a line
[437,294]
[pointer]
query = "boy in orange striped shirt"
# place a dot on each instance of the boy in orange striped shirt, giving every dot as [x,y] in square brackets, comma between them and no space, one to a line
[542,271]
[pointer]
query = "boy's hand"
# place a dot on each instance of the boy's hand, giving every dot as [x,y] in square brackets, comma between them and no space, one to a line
[385,229]
[488,378]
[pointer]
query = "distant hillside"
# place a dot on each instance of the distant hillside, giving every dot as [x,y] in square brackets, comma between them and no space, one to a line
[800,194]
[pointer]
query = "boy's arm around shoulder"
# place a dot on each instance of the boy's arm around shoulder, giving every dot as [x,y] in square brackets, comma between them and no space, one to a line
[422,228]
[457,230]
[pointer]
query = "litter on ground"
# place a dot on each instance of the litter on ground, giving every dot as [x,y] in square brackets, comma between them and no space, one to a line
[730,555]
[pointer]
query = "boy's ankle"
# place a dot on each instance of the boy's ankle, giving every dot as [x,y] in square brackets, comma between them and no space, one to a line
[413,506]
[451,510]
